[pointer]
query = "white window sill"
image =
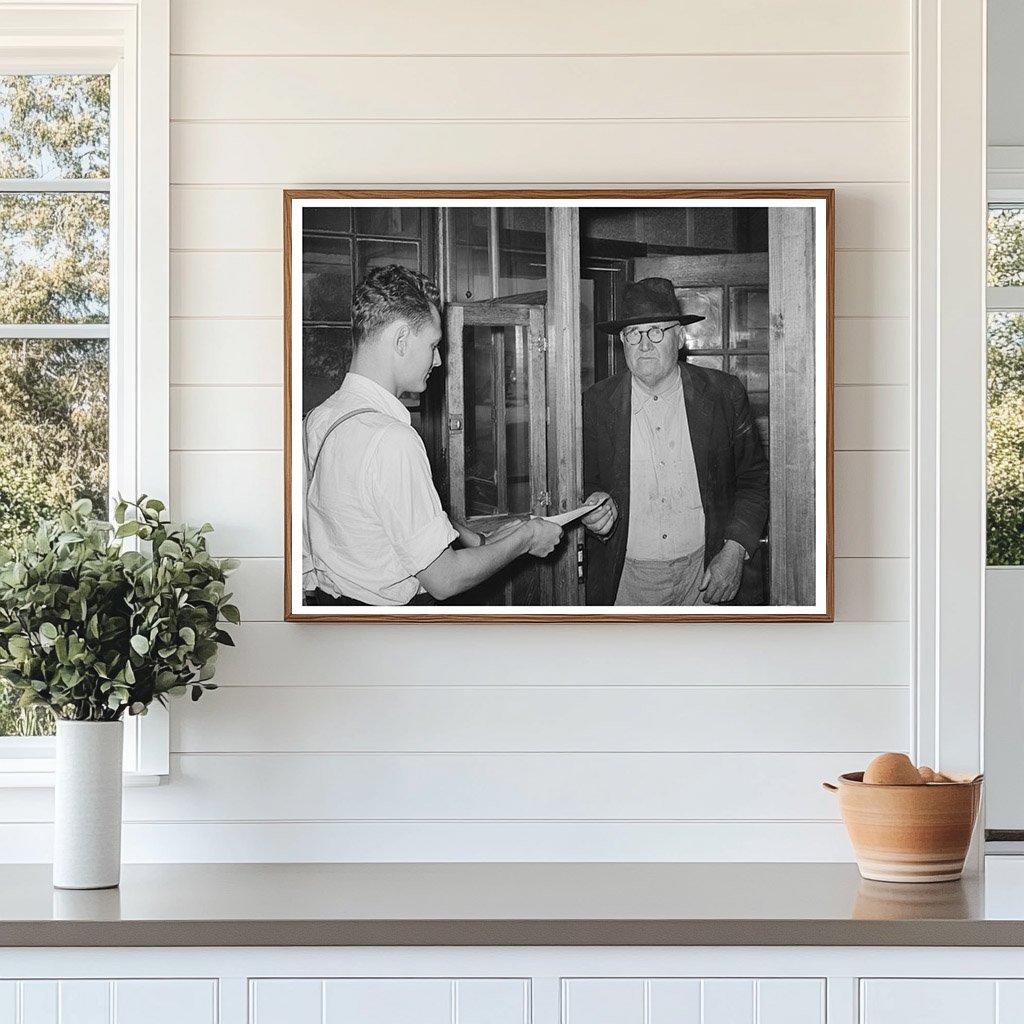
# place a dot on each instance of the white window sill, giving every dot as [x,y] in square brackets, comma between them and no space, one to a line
[43,778]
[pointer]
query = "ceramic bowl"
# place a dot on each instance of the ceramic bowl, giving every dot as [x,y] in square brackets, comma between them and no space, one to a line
[909,833]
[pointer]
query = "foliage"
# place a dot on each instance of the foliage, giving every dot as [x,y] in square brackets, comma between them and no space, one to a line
[1006,247]
[91,630]
[53,449]
[54,269]
[1005,479]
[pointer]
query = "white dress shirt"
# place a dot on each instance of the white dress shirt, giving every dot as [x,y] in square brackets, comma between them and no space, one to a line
[373,518]
[666,515]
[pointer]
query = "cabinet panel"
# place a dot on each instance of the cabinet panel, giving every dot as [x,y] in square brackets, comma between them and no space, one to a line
[936,1001]
[84,1002]
[165,1002]
[727,1001]
[8,1002]
[694,1001]
[603,1001]
[675,1001]
[38,1002]
[1009,1002]
[285,1001]
[492,1002]
[387,1001]
[791,1001]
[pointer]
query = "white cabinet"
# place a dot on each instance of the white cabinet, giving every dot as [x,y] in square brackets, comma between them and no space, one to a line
[388,1001]
[693,1001]
[102,1001]
[941,1001]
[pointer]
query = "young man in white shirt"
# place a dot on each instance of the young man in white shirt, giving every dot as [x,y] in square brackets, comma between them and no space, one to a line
[374,531]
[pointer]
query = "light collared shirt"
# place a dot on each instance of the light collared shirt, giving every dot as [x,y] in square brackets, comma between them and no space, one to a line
[666,515]
[373,518]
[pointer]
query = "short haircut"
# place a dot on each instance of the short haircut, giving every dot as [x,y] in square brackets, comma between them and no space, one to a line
[392,293]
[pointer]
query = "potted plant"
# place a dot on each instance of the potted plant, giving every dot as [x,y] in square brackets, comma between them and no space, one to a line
[93,631]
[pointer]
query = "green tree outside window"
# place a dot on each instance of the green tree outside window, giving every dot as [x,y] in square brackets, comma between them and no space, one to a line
[54,276]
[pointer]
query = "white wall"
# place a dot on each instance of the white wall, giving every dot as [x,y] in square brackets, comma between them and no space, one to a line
[662,741]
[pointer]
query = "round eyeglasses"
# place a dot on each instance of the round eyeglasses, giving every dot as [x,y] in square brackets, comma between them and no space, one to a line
[634,335]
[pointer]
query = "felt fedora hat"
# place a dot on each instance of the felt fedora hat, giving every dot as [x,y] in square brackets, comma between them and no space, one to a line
[648,301]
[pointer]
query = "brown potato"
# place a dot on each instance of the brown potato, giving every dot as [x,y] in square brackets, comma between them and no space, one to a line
[892,770]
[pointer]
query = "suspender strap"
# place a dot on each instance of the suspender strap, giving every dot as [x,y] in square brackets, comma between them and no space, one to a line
[310,470]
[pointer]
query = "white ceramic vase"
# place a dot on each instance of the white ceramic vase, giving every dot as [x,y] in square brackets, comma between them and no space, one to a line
[87,805]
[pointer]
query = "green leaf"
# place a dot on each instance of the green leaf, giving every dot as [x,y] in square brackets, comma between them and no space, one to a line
[231,613]
[140,644]
[229,564]
[155,504]
[48,631]
[170,549]
[188,635]
[128,529]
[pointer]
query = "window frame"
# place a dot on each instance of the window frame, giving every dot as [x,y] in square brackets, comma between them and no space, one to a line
[130,41]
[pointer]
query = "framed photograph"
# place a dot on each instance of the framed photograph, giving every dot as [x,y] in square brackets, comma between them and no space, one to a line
[558,405]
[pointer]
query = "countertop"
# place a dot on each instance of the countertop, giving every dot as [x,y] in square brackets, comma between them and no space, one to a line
[560,904]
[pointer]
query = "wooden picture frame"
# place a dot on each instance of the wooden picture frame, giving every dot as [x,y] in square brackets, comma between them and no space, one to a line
[525,278]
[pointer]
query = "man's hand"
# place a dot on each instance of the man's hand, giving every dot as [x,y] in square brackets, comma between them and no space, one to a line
[601,521]
[722,577]
[502,528]
[545,537]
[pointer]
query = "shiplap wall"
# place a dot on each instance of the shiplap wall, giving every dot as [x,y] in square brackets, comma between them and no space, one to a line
[662,741]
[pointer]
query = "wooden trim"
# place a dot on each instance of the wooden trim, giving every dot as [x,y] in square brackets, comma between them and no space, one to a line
[401,616]
[455,394]
[289,610]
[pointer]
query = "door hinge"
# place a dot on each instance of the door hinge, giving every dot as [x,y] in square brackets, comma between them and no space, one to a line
[543,499]
[454,424]
[538,341]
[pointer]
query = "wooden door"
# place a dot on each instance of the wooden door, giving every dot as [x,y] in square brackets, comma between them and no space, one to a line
[497,432]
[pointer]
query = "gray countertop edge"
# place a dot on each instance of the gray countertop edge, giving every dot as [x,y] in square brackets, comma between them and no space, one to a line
[511,933]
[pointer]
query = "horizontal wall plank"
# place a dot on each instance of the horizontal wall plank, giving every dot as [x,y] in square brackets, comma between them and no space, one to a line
[242,88]
[235,284]
[872,351]
[868,216]
[872,589]
[453,842]
[752,654]
[709,719]
[872,283]
[479,152]
[872,418]
[376,787]
[227,352]
[206,284]
[239,418]
[867,589]
[872,504]
[258,586]
[573,26]
[241,494]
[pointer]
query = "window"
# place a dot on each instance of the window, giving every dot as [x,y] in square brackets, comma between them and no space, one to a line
[1005,478]
[83,263]
[54,293]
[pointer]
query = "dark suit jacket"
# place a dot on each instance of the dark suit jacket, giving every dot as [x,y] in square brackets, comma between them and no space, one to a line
[732,471]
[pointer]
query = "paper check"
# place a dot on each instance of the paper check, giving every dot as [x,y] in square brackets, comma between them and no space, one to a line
[564,518]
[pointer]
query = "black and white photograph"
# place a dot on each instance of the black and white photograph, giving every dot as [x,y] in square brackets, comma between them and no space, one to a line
[567,405]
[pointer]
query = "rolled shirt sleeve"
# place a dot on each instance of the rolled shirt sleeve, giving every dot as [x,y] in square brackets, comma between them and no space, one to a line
[402,491]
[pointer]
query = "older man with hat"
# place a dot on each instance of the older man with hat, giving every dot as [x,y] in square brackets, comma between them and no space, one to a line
[673,461]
